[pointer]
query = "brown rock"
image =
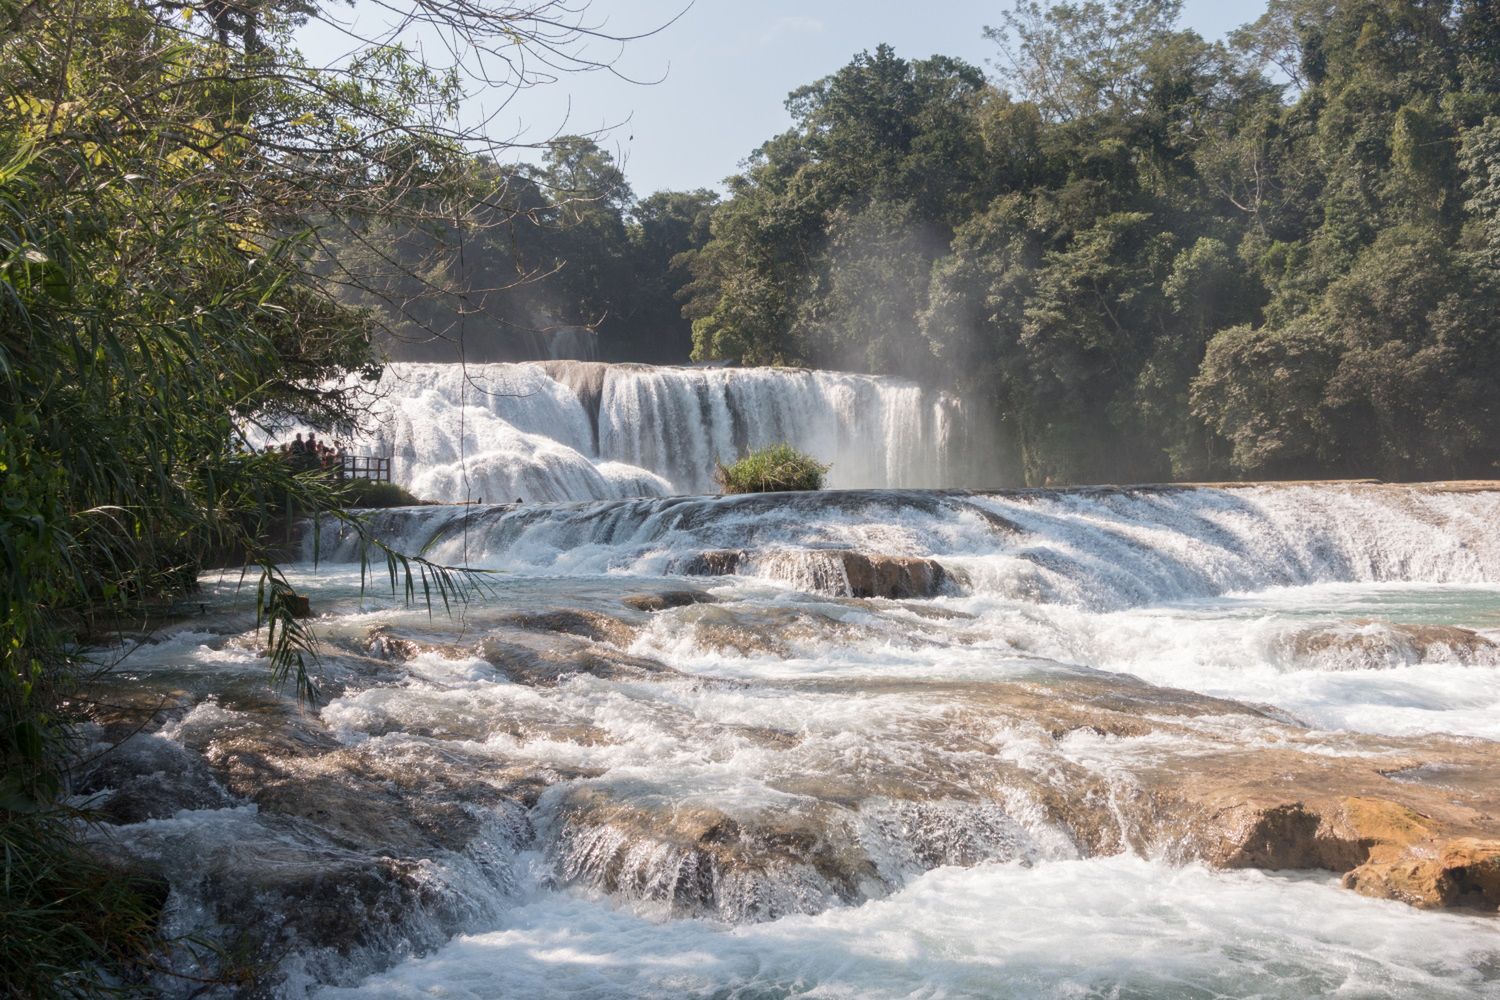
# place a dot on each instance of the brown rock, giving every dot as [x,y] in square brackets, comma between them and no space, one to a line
[546,658]
[892,576]
[667,599]
[714,562]
[840,572]
[1464,871]
[588,624]
[1365,642]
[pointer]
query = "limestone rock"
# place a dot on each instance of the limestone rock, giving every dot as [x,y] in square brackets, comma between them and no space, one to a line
[714,562]
[588,624]
[1464,871]
[840,572]
[667,599]
[892,576]
[545,659]
[1363,643]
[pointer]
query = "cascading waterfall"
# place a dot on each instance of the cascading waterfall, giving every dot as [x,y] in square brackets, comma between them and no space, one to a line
[557,431]
[1098,549]
[759,745]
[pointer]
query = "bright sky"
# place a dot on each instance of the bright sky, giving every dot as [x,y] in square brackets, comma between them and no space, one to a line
[724,72]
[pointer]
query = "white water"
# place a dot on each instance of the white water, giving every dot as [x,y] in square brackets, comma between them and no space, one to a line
[1119,928]
[1100,550]
[551,432]
[876,738]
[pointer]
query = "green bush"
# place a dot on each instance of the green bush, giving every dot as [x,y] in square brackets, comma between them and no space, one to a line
[369,493]
[771,470]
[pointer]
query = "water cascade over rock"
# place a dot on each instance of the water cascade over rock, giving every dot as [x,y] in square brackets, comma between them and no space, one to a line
[568,430]
[756,745]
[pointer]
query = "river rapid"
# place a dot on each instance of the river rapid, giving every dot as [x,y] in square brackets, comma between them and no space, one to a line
[871,743]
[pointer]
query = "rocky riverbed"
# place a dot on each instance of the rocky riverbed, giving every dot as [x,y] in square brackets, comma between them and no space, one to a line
[808,727]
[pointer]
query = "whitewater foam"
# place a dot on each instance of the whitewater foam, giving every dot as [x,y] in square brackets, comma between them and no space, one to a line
[1119,927]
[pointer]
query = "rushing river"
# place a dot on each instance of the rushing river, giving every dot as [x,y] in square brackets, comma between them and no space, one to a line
[679,751]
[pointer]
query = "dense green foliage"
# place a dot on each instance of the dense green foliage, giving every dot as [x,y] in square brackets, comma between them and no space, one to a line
[1156,256]
[558,257]
[774,469]
[159,167]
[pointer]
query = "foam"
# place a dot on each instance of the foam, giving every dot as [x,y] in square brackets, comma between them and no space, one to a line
[1117,927]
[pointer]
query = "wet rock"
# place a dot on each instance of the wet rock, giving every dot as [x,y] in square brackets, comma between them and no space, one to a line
[894,577]
[588,624]
[120,710]
[739,639]
[1365,643]
[148,777]
[546,659]
[384,643]
[839,572]
[1283,808]
[768,630]
[1118,764]
[715,562]
[327,899]
[762,863]
[408,799]
[939,614]
[1460,872]
[586,379]
[667,599]
[291,848]
[270,896]
[997,523]
[701,859]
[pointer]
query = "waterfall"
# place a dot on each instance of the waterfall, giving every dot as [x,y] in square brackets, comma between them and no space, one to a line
[1095,548]
[755,745]
[560,431]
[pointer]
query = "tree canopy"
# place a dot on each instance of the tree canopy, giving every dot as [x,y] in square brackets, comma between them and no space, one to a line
[1155,256]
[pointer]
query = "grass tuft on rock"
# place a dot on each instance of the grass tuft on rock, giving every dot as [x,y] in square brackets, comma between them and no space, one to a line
[775,469]
[370,493]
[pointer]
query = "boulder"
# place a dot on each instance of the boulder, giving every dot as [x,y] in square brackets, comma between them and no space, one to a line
[714,562]
[894,577]
[590,625]
[840,572]
[1463,871]
[1365,643]
[667,599]
[699,859]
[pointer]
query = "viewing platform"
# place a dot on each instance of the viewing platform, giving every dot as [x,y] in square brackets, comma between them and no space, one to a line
[376,468]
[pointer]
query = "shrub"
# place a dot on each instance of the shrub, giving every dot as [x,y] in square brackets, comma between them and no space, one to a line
[770,470]
[369,493]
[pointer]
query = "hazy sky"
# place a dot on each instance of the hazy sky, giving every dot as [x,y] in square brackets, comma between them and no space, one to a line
[726,67]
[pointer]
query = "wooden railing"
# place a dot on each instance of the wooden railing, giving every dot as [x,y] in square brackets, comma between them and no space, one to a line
[373,467]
